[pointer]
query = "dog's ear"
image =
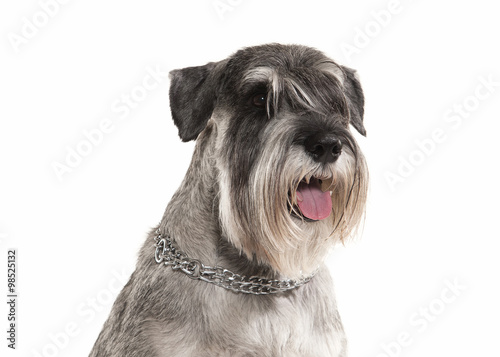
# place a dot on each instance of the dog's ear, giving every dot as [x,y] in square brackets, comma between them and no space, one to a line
[355,99]
[192,98]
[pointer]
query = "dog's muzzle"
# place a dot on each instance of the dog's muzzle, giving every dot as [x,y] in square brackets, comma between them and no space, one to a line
[312,200]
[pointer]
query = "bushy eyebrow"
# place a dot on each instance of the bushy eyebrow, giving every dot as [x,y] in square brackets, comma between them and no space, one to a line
[316,89]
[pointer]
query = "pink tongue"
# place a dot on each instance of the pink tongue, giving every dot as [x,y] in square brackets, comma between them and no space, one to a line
[313,203]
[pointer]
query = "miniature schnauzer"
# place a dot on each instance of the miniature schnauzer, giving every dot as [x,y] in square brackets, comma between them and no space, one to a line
[235,267]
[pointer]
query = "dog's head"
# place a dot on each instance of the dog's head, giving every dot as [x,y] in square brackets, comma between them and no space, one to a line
[292,179]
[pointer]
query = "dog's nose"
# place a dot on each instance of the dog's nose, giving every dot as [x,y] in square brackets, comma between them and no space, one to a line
[325,148]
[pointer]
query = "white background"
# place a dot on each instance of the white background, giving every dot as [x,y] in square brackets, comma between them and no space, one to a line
[435,227]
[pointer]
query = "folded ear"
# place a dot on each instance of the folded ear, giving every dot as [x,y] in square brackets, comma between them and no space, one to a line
[192,98]
[355,99]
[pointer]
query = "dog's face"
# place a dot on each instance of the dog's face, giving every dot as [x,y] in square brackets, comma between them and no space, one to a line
[291,178]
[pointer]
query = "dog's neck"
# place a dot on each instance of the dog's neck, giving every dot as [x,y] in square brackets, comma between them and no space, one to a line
[191,218]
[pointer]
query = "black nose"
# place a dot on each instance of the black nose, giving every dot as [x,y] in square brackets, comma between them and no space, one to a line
[323,147]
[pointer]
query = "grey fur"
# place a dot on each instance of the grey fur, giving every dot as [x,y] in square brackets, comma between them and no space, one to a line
[222,216]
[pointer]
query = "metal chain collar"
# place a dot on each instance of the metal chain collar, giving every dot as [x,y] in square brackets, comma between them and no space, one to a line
[168,254]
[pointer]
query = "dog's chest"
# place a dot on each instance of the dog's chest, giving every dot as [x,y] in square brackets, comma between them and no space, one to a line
[273,327]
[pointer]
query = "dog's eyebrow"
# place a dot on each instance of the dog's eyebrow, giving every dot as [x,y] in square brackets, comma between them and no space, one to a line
[258,74]
[298,91]
[262,74]
[328,66]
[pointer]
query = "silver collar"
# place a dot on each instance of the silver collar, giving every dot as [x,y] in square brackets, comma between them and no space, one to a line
[167,253]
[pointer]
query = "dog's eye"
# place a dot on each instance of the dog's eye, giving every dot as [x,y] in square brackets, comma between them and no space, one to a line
[259,100]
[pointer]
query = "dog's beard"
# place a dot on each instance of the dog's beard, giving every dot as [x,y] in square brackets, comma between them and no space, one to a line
[263,219]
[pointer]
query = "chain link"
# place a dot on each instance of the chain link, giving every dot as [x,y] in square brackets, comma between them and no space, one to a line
[166,253]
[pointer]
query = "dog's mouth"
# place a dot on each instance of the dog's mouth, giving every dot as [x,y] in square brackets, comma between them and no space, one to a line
[313,201]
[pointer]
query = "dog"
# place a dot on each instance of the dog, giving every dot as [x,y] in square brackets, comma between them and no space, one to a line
[236,265]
